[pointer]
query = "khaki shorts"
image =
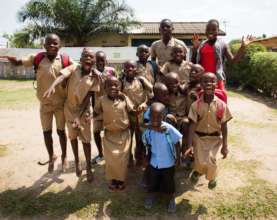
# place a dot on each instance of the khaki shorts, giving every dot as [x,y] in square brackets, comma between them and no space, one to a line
[83,134]
[97,126]
[47,112]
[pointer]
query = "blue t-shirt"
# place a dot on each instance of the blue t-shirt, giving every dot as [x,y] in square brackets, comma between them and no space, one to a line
[161,152]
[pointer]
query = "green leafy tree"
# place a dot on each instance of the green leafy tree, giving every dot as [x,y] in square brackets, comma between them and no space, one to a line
[76,21]
[22,39]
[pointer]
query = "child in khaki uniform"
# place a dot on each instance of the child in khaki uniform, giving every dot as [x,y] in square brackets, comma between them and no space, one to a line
[46,72]
[137,89]
[114,108]
[162,49]
[81,80]
[101,62]
[207,130]
[178,65]
[145,68]
[193,88]
[177,103]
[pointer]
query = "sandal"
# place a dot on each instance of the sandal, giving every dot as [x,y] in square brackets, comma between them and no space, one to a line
[212,184]
[121,187]
[112,186]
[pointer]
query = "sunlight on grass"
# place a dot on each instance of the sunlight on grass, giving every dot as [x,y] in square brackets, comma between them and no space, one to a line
[16,94]
[3,150]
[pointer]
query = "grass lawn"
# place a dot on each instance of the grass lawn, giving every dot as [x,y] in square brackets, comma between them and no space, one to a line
[16,94]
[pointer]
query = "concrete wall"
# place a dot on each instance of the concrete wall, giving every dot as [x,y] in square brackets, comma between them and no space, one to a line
[115,55]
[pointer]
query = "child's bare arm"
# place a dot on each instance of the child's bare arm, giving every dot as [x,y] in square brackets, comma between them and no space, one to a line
[13,60]
[244,43]
[224,149]
[189,150]
[147,85]
[178,153]
[195,46]
[51,89]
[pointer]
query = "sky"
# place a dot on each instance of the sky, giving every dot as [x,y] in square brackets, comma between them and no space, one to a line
[241,17]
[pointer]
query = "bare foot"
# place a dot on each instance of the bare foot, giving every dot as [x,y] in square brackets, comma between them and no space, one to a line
[51,164]
[64,165]
[78,169]
[89,175]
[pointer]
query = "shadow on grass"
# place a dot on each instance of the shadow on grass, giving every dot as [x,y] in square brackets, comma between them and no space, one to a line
[90,200]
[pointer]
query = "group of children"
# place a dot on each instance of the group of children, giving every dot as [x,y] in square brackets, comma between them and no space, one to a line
[176,110]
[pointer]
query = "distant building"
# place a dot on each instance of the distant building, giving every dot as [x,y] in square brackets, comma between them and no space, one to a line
[147,33]
[270,43]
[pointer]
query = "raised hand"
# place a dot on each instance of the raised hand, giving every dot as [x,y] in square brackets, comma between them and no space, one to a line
[195,41]
[245,41]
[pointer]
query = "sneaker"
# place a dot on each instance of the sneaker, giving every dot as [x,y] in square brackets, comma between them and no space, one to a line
[171,206]
[212,184]
[148,203]
[97,159]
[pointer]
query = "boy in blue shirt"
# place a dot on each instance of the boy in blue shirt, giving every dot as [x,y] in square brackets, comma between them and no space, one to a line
[160,140]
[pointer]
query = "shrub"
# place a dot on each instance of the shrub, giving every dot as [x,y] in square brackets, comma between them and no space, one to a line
[264,72]
[239,74]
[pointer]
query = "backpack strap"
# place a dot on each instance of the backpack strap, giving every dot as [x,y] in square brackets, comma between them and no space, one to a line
[219,109]
[170,142]
[65,60]
[38,58]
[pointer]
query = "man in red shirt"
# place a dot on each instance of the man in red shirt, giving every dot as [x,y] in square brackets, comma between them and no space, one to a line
[211,52]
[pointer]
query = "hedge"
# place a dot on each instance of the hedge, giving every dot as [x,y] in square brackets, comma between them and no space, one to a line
[239,74]
[256,70]
[264,72]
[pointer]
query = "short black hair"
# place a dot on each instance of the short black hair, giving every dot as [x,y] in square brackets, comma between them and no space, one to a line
[159,107]
[142,46]
[166,20]
[52,35]
[159,86]
[213,21]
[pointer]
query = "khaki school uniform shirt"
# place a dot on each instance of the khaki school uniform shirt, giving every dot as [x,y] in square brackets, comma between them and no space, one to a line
[146,71]
[104,75]
[78,86]
[114,112]
[135,91]
[205,115]
[183,70]
[177,104]
[163,52]
[46,74]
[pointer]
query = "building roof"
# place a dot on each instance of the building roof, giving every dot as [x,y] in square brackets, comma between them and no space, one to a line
[265,39]
[149,28]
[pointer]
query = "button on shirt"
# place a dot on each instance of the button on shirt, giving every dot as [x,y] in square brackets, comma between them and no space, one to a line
[161,152]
